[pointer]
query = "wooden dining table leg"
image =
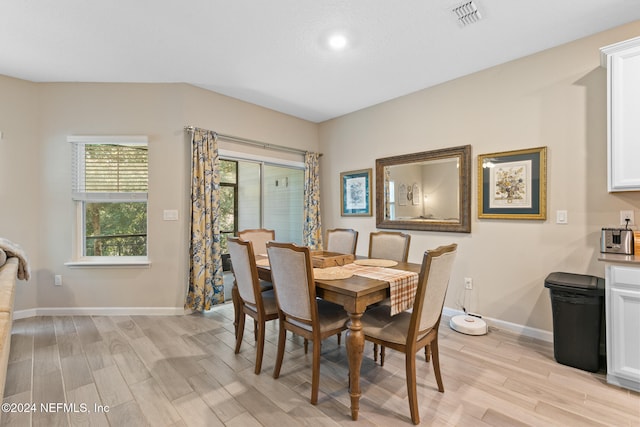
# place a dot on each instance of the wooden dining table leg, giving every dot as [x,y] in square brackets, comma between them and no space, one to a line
[355,348]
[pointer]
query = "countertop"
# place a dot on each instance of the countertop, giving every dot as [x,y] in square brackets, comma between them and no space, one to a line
[623,259]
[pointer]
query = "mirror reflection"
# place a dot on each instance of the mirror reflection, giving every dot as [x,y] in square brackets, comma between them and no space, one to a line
[425,191]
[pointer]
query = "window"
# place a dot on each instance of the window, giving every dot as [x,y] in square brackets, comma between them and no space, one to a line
[110,184]
[261,193]
[392,200]
[228,201]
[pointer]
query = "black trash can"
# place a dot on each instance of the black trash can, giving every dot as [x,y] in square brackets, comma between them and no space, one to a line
[577,303]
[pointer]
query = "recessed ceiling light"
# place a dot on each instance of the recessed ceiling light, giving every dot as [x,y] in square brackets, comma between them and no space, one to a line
[337,42]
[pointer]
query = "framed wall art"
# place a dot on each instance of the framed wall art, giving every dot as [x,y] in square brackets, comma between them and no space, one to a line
[355,193]
[513,184]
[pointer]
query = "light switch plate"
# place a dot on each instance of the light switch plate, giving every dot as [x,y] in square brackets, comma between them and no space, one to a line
[170,215]
[562,217]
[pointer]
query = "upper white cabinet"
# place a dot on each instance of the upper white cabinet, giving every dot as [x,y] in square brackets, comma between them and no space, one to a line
[622,61]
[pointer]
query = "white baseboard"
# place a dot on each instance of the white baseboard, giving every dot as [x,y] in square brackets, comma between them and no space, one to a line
[178,311]
[99,311]
[507,326]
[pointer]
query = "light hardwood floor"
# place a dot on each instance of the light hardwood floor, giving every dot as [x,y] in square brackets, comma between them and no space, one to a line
[181,371]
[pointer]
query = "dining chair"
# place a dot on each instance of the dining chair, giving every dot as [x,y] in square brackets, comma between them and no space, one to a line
[342,240]
[259,238]
[299,311]
[254,302]
[392,245]
[412,330]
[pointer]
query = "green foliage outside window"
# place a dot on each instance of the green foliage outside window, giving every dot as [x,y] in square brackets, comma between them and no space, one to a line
[116,172]
[116,229]
[228,202]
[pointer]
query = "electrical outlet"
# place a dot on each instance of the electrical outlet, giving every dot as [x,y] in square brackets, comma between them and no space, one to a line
[57,280]
[468,283]
[624,215]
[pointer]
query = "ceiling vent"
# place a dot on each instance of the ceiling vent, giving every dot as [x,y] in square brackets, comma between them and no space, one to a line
[466,13]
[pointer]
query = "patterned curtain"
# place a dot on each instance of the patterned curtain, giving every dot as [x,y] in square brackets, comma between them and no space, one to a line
[312,233]
[205,266]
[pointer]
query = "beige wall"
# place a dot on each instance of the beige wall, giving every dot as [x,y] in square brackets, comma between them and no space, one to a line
[557,99]
[20,175]
[37,211]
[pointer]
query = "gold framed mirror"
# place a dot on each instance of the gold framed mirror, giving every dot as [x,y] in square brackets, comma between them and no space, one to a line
[428,191]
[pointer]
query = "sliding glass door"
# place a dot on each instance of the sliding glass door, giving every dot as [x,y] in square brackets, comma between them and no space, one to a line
[261,195]
[283,207]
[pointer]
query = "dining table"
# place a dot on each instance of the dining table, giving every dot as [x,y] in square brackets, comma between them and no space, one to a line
[355,294]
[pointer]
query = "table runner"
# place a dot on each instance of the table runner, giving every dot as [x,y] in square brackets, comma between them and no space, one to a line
[402,284]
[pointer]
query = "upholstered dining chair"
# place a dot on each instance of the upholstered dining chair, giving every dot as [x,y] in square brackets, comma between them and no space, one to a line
[392,245]
[410,331]
[259,238]
[299,311]
[254,302]
[342,240]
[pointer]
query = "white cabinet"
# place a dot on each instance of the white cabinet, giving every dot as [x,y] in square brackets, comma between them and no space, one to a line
[622,61]
[622,305]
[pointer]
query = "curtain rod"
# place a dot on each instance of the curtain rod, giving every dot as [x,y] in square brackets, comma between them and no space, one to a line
[251,142]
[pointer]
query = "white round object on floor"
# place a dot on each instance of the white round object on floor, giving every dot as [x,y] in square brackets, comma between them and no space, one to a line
[469,325]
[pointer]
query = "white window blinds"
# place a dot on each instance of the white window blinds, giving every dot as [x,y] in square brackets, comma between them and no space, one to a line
[109,168]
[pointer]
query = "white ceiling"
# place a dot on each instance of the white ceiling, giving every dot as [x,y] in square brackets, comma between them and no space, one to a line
[273,52]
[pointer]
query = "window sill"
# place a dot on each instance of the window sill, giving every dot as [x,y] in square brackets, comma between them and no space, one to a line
[109,262]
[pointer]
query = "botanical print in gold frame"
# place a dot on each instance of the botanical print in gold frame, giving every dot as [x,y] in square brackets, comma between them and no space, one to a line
[513,184]
[355,193]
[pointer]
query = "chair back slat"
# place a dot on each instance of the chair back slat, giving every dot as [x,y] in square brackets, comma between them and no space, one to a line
[437,282]
[389,245]
[243,264]
[433,282]
[342,240]
[290,275]
[259,237]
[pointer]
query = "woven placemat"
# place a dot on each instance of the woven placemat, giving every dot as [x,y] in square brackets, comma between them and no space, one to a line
[331,273]
[371,262]
[263,262]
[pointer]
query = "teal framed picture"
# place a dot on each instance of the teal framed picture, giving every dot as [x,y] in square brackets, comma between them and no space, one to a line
[513,184]
[355,193]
